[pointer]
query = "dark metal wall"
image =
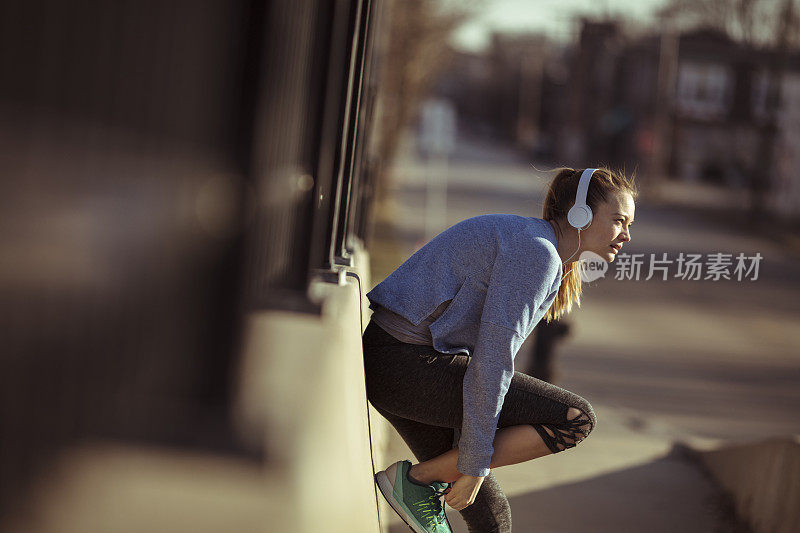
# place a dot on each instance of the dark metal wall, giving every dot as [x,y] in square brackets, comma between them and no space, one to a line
[310,125]
[167,167]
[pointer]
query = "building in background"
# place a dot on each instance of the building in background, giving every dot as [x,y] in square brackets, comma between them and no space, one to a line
[688,106]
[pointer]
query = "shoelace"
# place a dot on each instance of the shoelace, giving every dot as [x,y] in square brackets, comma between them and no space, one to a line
[432,507]
[440,516]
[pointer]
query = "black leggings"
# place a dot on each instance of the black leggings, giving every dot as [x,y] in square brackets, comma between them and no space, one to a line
[419,390]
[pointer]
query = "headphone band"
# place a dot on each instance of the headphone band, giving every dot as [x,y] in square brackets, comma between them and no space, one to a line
[583,186]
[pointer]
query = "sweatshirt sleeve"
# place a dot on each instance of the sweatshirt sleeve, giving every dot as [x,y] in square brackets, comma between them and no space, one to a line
[519,283]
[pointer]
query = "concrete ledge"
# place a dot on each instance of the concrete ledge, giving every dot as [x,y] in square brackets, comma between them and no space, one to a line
[763,479]
[303,390]
[301,396]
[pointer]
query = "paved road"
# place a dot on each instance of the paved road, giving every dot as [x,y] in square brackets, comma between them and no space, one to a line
[661,361]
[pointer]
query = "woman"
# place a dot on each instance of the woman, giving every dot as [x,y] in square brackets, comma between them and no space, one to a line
[439,350]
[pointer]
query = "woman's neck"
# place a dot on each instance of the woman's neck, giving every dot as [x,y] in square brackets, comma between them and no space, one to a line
[566,242]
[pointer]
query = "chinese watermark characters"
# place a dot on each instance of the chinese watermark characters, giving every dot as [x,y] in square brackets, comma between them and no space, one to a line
[687,266]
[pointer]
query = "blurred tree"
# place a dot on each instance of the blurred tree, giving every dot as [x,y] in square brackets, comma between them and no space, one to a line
[415,50]
[753,22]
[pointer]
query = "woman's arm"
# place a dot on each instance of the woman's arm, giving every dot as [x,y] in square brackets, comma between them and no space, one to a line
[519,283]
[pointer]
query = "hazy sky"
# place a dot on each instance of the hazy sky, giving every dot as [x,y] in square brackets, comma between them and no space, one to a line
[553,17]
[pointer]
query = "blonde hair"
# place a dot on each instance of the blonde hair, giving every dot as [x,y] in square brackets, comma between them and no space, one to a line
[559,199]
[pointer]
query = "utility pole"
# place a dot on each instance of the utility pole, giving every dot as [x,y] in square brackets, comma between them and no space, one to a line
[665,90]
[762,172]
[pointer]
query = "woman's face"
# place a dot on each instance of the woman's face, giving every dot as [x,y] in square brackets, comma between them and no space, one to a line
[610,227]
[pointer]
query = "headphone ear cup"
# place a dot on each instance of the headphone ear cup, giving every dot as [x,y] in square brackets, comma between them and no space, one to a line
[579,216]
[589,217]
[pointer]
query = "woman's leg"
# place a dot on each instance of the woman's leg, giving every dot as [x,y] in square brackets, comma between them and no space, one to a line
[418,383]
[424,440]
[490,512]
[512,445]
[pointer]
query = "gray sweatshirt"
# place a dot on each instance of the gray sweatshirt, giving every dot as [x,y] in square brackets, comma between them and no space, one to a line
[502,273]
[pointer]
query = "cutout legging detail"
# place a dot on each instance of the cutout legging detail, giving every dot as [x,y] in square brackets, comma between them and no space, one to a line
[419,391]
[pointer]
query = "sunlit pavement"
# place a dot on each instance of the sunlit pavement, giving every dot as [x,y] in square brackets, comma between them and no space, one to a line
[662,362]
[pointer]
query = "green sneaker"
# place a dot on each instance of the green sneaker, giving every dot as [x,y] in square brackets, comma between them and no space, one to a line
[418,505]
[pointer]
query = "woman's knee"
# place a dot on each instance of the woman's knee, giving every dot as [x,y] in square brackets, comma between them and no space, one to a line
[581,404]
[580,421]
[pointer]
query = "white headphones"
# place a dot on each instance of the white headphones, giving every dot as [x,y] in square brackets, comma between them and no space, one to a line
[580,215]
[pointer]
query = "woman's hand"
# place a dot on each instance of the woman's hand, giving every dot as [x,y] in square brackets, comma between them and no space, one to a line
[463,491]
